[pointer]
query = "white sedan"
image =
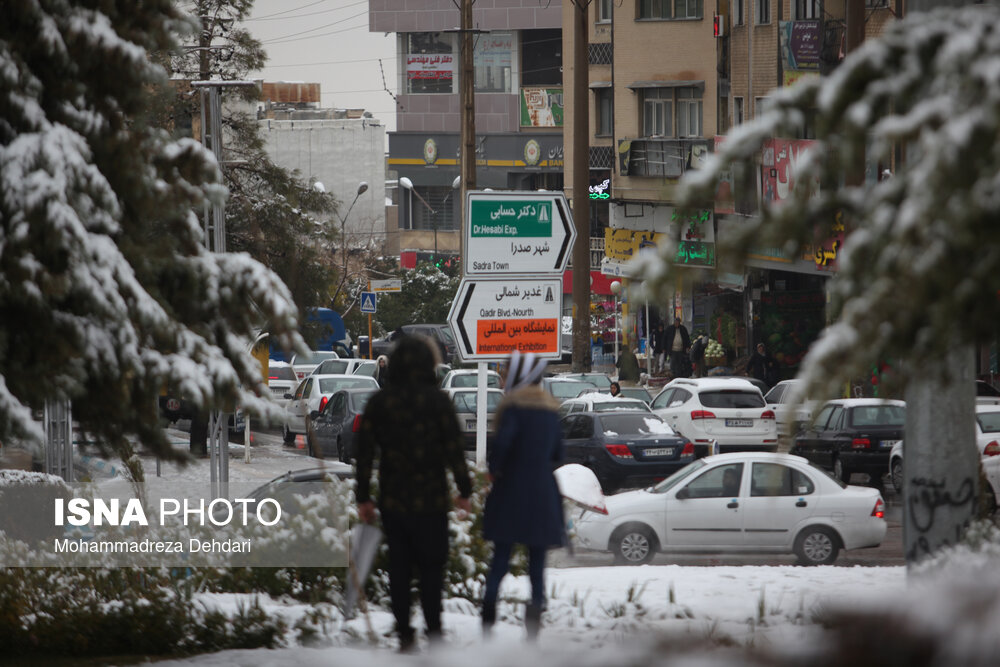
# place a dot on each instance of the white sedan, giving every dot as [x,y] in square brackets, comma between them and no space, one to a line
[312,394]
[987,439]
[753,502]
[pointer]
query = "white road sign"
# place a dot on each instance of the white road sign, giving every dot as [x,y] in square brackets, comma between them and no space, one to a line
[492,317]
[517,232]
[387,286]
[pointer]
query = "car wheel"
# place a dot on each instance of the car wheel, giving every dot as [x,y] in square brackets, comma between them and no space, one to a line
[896,474]
[310,443]
[840,472]
[634,545]
[817,545]
[340,451]
[287,435]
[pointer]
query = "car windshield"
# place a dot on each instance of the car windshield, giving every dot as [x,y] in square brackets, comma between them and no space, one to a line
[569,389]
[679,476]
[332,367]
[989,422]
[637,393]
[620,404]
[360,400]
[599,380]
[878,415]
[465,401]
[634,424]
[315,357]
[281,373]
[731,398]
[472,380]
[330,385]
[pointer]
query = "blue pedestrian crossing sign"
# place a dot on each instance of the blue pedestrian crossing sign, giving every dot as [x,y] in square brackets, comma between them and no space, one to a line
[368,302]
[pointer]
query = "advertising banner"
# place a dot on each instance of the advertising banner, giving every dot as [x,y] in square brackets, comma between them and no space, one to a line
[541,107]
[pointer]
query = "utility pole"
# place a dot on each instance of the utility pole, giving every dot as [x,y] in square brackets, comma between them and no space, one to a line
[467,102]
[581,183]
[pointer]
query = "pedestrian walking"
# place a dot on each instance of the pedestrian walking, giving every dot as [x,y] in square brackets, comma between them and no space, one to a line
[677,340]
[698,355]
[763,366]
[658,349]
[524,505]
[628,366]
[382,370]
[410,427]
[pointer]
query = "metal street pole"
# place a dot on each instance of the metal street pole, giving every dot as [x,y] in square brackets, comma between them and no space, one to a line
[581,198]
[467,101]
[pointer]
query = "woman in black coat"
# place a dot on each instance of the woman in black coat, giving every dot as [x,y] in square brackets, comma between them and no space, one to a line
[524,505]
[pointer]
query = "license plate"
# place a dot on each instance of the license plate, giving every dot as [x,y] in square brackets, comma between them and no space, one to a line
[743,423]
[658,451]
[885,444]
[470,424]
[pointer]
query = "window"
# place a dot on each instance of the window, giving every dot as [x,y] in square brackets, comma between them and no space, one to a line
[737,111]
[541,58]
[738,12]
[603,103]
[430,62]
[604,11]
[654,9]
[773,479]
[492,60]
[835,419]
[719,482]
[878,415]
[657,112]
[823,417]
[661,9]
[763,11]
[687,9]
[660,107]
[806,9]
[688,113]
[729,398]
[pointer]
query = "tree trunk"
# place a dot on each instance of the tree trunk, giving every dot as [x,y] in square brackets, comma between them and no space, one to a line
[941,463]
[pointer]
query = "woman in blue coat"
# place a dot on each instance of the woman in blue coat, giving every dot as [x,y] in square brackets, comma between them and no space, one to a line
[524,505]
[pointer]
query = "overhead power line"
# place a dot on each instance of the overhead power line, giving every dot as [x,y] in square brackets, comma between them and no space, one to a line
[277,17]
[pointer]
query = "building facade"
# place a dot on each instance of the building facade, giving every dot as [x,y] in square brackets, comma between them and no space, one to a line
[337,148]
[519,110]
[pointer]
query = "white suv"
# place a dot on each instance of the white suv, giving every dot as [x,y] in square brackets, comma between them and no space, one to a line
[729,412]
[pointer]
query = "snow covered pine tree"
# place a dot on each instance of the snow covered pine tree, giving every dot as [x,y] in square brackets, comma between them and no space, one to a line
[106,293]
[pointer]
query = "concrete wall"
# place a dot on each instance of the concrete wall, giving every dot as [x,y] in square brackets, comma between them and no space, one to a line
[339,154]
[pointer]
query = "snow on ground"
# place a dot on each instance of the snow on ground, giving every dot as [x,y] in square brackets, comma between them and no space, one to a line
[600,616]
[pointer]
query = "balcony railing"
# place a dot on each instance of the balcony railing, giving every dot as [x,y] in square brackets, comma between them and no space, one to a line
[662,158]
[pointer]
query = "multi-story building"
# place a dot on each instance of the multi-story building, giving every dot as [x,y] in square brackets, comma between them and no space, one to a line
[336,148]
[519,110]
[654,86]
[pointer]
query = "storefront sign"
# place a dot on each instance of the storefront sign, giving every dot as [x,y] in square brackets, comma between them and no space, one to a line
[541,107]
[695,248]
[779,161]
[430,66]
[800,44]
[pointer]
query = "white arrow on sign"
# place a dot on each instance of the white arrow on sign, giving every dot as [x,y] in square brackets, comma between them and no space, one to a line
[517,232]
[492,317]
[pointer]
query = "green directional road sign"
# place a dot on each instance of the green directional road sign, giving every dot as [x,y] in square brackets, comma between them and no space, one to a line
[517,232]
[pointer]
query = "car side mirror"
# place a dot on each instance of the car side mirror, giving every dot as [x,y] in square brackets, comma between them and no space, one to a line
[683,494]
[314,414]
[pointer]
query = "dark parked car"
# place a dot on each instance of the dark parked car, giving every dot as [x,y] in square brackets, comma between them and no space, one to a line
[439,333]
[853,435]
[331,432]
[624,449]
[466,409]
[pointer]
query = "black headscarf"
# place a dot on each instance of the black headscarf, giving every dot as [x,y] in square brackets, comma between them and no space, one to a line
[412,362]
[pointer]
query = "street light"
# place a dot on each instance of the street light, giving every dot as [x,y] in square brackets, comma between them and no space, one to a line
[362,188]
[407,184]
[616,288]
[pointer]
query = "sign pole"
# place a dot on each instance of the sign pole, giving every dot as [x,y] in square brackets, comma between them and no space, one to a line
[370,326]
[481,417]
